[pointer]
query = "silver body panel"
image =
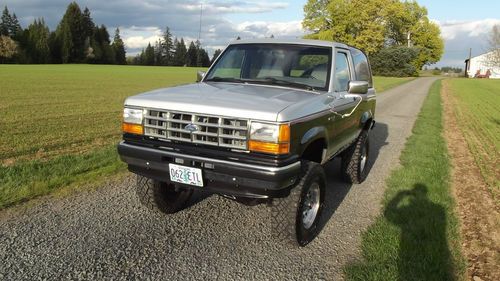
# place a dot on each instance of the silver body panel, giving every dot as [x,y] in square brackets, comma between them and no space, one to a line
[313,113]
[258,102]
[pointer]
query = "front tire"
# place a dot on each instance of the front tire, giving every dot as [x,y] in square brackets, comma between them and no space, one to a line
[295,219]
[355,159]
[160,196]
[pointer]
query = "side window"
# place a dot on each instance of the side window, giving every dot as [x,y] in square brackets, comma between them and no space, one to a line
[361,67]
[342,75]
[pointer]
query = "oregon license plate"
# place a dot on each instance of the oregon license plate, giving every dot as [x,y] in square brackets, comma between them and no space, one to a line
[185,175]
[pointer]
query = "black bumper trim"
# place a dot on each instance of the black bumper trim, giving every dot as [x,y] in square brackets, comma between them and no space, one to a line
[220,176]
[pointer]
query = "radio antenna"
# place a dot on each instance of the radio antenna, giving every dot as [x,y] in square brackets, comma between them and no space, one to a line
[201,13]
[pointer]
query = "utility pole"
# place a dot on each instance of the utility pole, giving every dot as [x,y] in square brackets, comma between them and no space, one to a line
[467,67]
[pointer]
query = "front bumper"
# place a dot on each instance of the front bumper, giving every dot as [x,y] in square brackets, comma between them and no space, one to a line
[224,177]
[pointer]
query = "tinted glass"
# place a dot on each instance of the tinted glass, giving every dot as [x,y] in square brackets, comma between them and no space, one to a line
[342,75]
[361,66]
[280,64]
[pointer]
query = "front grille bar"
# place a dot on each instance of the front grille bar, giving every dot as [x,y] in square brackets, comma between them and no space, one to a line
[212,130]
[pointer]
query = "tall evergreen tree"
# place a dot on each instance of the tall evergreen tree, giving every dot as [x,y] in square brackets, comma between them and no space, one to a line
[37,42]
[167,47]
[158,50]
[9,24]
[87,22]
[5,22]
[101,45]
[119,48]
[55,48]
[216,54]
[203,58]
[192,55]
[180,53]
[72,34]
[15,27]
[149,55]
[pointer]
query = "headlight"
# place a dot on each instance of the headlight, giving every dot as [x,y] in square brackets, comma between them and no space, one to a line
[132,115]
[269,138]
[264,132]
[132,121]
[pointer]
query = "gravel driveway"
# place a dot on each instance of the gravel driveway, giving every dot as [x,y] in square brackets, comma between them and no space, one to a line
[107,234]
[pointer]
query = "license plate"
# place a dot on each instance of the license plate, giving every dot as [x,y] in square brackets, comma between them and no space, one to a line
[185,175]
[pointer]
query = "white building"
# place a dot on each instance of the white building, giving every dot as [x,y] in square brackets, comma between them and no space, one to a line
[480,65]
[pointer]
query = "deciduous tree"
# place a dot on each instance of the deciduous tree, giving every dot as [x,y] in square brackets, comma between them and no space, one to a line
[8,47]
[494,42]
[372,25]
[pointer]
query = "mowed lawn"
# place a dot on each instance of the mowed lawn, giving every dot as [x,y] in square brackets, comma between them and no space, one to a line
[60,123]
[416,236]
[477,107]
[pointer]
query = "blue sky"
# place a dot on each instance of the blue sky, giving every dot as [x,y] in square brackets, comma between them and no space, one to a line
[464,24]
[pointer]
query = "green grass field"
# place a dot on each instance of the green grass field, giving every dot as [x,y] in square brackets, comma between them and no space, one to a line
[60,123]
[478,111]
[417,236]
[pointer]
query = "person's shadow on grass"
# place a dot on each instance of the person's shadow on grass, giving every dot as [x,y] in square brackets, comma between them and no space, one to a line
[423,247]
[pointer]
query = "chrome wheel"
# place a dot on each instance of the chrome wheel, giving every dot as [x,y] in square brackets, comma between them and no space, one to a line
[310,205]
[364,157]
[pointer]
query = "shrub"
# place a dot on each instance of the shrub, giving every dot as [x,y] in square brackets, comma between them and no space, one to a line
[394,61]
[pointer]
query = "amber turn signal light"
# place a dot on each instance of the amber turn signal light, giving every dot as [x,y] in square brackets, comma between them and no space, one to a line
[132,128]
[284,134]
[269,147]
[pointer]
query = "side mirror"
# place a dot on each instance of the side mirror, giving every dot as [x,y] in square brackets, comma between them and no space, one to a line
[199,75]
[358,87]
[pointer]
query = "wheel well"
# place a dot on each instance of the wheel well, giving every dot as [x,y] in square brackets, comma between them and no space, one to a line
[314,151]
[368,124]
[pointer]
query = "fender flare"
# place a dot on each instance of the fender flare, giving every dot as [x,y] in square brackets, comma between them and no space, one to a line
[312,135]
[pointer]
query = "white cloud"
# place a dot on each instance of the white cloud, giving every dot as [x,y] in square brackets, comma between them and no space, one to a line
[266,29]
[136,37]
[462,36]
[236,7]
[451,29]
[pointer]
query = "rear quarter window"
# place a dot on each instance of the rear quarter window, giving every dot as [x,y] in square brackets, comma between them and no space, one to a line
[361,66]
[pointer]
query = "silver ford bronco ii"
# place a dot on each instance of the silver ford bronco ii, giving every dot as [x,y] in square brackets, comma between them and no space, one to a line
[257,127]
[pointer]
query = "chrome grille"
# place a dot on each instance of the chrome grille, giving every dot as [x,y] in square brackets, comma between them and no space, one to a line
[211,130]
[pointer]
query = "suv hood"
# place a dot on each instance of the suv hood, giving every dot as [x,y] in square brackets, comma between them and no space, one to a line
[258,102]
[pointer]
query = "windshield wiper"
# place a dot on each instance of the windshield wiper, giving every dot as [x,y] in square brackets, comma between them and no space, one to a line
[277,81]
[224,79]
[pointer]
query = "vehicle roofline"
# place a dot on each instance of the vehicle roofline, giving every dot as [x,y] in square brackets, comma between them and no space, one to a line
[309,42]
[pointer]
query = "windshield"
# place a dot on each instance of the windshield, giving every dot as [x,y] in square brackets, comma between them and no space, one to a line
[297,66]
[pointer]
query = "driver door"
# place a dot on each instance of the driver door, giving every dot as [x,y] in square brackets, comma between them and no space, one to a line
[342,128]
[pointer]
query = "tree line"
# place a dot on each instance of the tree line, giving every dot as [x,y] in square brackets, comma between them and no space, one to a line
[397,35]
[77,39]
[171,51]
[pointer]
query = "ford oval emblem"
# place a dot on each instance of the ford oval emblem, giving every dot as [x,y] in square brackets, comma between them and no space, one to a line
[191,128]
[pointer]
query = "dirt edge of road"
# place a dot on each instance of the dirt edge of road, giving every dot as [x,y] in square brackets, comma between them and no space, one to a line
[478,213]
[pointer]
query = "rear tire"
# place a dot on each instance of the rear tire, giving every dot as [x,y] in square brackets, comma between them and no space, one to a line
[160,196]
[295,218]
[355,159]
